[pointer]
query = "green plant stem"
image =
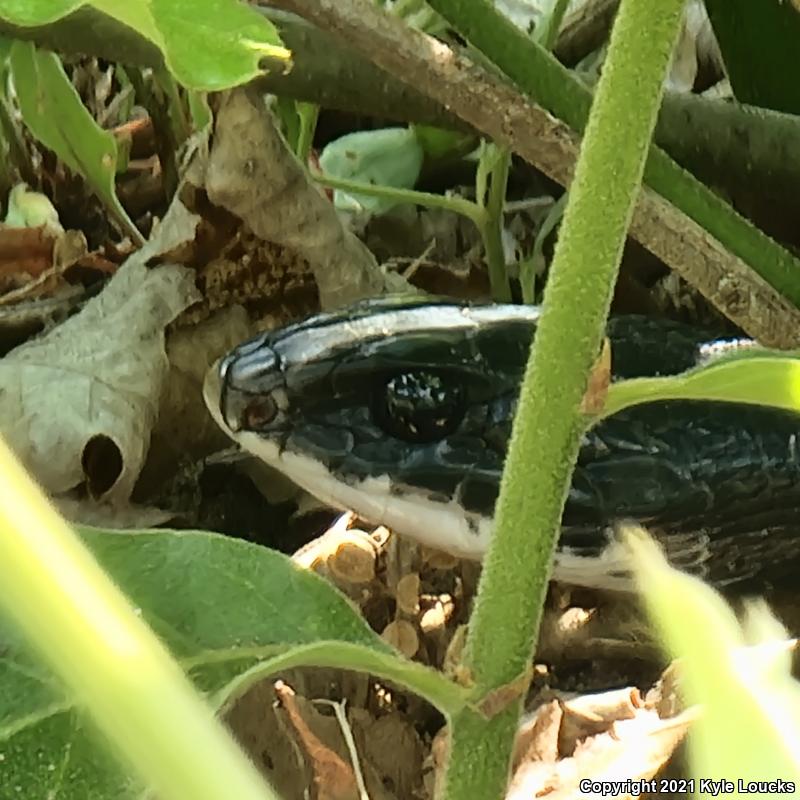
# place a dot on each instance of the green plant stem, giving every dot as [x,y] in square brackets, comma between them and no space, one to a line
[458,204]
[174,124]
[547,428]
[528,266]
[92,639]
[308,114]
[492,227]
[546,35]
[424,682]
[547,31]
[487,218]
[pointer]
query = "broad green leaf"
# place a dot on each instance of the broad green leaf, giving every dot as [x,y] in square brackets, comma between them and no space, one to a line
[55,115]
[756,377]
[231,613]
[387,157]
[208,44]
[759,46]
[749,725]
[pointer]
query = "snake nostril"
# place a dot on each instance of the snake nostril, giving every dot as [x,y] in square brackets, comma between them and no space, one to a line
[259,412]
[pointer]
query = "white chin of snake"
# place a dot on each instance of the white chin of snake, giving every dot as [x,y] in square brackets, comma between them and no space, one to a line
[443,526]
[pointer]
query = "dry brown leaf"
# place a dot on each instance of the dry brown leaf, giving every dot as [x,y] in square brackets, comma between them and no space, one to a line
[25,255]
[334,778]
[251,173]
[600,738]
[537,739]
[184,430]
[599,380]
[499,700]
[98,376]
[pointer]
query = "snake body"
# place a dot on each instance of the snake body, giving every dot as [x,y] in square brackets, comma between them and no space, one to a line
[401,411]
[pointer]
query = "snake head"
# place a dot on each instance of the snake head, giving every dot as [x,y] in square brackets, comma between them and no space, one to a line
[390,404]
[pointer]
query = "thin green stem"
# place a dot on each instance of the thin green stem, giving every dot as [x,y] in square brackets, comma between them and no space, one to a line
[548,29]
[458,204]
[529,265]
[492,229]
[446,695]
[179,121]
[547,428]
[308,113]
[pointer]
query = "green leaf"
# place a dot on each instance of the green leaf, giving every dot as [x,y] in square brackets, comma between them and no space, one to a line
[231,613]
[757,377]
[55,115]
[388,157]
[749,725]
[759,46]
[207,44]
[439,144]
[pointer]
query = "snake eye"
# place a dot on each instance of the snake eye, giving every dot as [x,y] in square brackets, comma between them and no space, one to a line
[420,406]
[260,411]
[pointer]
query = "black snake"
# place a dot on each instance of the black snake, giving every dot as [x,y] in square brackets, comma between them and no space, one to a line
[401,411]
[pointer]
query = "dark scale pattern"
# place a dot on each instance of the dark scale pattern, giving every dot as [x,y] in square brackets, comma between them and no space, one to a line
[719,482]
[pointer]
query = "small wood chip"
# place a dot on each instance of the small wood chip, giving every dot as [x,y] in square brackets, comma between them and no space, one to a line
[402,635]
[407,594]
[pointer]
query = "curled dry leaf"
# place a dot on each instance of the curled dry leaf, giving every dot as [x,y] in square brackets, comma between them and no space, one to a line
[99,374]
[252,173]
[599,380]
[500,699]
[613,736]
[537,738]
[185,430]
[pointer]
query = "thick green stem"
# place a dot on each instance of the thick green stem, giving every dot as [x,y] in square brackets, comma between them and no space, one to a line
[548,425]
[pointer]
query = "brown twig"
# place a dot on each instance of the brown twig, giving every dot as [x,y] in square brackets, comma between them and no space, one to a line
[502,113]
